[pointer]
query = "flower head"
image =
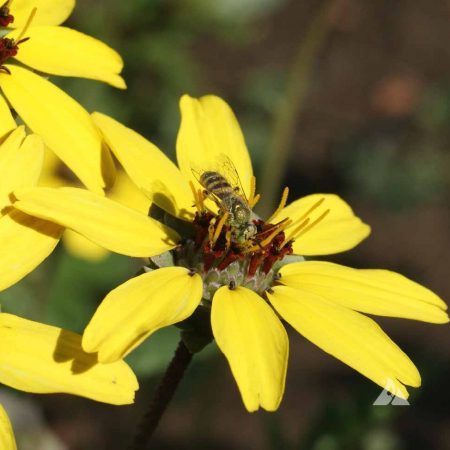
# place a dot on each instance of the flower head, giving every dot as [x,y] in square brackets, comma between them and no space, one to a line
[32,40]
[211,256]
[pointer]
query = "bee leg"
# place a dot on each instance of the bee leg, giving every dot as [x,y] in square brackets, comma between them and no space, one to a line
[207,195]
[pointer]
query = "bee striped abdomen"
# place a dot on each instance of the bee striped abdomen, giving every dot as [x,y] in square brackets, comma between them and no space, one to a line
[216,184]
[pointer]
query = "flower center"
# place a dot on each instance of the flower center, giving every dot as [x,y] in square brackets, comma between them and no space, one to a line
[5,17]
[9,47]
[226,249]
[222,261]
[233,247]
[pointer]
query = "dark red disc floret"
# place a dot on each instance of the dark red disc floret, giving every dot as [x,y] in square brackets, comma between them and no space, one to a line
[5,17]
[8,49]
[260,253]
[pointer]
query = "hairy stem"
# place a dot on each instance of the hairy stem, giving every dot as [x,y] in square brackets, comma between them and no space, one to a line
[163,394]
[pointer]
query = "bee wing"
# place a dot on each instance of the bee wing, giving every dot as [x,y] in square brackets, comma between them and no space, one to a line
[228,170]
[197,172]
[225,167]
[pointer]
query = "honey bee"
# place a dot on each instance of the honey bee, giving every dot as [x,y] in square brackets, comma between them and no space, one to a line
[224,187]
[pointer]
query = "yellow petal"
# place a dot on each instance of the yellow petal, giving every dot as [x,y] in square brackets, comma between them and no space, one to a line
[255,343]
[42,359]
[349,336]
[209,130]
[103,221]
[26,242]
[49,12]
[340,230]
[21,166]
[148,167]
[12,143]
[83,248]
[7,122]
[63,124]
[66,52]
[7,441]
[132,312]
[379,292]
[125,192]
[51,175]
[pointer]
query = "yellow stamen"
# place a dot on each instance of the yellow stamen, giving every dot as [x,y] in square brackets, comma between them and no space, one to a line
[313,224]
[251,197]
[201,197]
[195,194]
[296,230]
[278,228]
[219,227]
[255,201]
[310,210]
[212,222]
[281,205]
[273,227]
[27,25]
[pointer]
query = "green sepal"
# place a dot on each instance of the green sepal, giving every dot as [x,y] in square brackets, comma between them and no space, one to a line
[196,330]
[288,259]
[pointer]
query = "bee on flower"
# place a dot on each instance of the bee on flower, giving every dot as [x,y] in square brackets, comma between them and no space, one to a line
[227,193]
[245,274]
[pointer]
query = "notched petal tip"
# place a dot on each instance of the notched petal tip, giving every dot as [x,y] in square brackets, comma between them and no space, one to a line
[40,358]
[347,335]
[255,344]
[372,291]
[209,129]
[136,309]
[147,166]
[333,227]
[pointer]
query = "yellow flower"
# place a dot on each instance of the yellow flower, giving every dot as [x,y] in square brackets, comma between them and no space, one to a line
[44,46]
[244,281]
[43,359]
